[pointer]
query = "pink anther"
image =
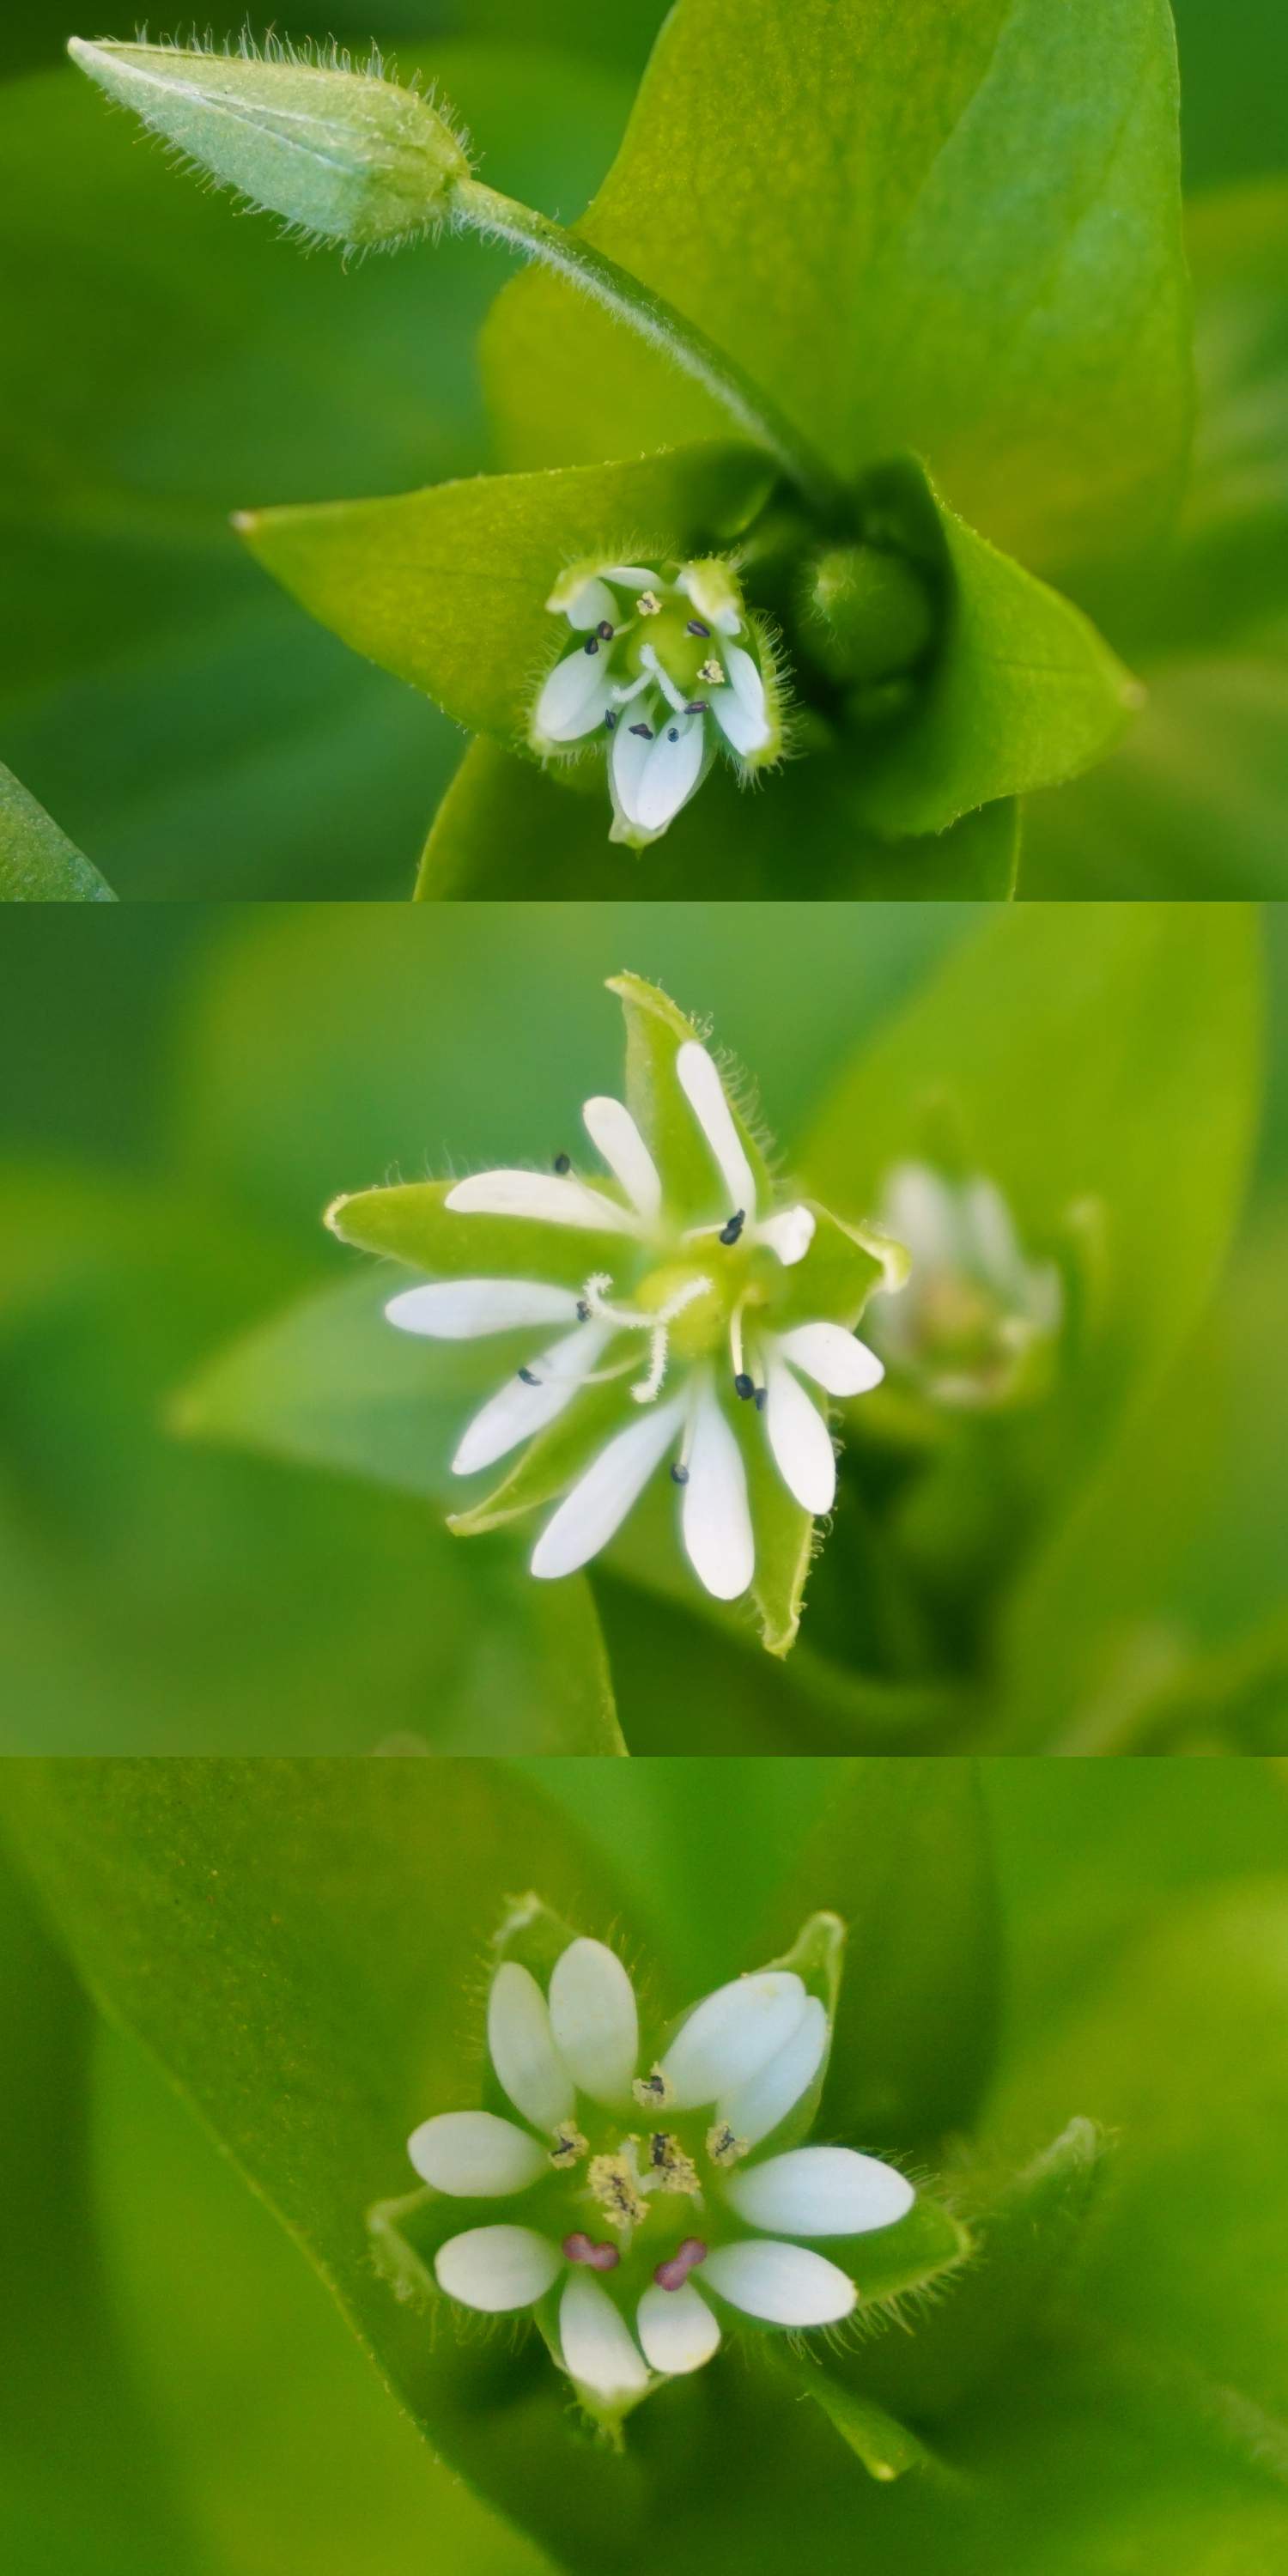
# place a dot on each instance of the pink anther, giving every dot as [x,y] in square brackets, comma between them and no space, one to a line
[580,2249]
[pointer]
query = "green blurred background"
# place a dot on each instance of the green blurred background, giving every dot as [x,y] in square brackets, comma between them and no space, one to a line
[187,724]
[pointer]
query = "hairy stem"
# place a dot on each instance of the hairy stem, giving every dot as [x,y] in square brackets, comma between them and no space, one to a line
[659,323]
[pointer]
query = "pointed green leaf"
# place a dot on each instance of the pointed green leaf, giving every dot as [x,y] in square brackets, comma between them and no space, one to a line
[506,829]
[37,862]
[1017,319]
[448,587]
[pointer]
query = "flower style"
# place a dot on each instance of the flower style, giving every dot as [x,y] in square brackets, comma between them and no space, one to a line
[702,1320]
[656,675]
[651,2218]
[975,1314]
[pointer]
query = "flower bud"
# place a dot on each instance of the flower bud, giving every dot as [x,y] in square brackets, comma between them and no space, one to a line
[346,155]
[867,614]
[975,1325]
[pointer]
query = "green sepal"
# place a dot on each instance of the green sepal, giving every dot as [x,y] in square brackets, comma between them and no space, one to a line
[844,1266]
[784,1537]
[1022,693]
[38,864]
[447,587]
[655,1033]
[411,1222]
[887,2448]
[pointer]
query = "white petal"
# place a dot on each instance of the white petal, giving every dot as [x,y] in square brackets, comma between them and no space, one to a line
[593,2017]
[632,577]
[784,2284]
[495,2268]
[598,1504]
[520,1410]
[821,2191]
[732,2033]
[574,699]
[475,2156]
[715,1516]
[745,732]
[459,1310]
[614,1134]
[542,1195]
[789,1234]
[598,2347]
[833,1358]
[754,2108]
[704,1092]
[676,2328]
[799,1438]
[991,1234]
[522,2048]
[921,1212]
[629,755]
[670,773]
[592,605]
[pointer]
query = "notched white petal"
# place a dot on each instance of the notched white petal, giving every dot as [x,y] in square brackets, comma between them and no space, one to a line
[715,1518]
[786,2285]
[475,2156]
[799,1438]
[834,1358]
[462,1310]
[821,2191]
[497,2268]
[522,2048]
[614,1134]
[598,1504]
[789,1234]
[671,769]
[543,1196]
[676,2329]
[594,2020]
[753,2109]
[731,2034]
[520,1410]
[704,1091]
[574,699]
[598,2348]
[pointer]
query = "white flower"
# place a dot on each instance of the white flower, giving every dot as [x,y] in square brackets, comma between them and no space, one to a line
[701,1327]
[650,2223]
[974,1309]
[656,675]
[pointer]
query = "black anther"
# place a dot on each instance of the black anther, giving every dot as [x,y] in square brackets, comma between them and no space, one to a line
[696,707]
[605,630]
[679,1475]
[609,718]
[563,1162]
[729,1233]
[673,733]
[761,1393]
[696,627]
[646,730]
[590,645]
[530,1380]
[742,1386]
[583,1311]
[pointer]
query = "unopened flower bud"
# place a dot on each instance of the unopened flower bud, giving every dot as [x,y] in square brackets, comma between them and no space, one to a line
[346,155]
[866,613]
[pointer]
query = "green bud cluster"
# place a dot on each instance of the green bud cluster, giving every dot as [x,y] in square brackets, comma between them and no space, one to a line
[866,613]
[348,156]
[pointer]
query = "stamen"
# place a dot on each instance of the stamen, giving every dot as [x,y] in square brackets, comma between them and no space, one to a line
[605,630]
[740,1378]
[648,604]
[696,627]
[609,718]
[696,707]
[729,1233]
[673,733]
[679,1474]
[712,671]
[591,644]
[722,2146]
[761,1396]
[675,2171]
[743,1386]
[529,1377]
[569,2146]
[615,2184]
[583,1311]
[646,730]
[673,2275]
[655,2090]
[563,1162]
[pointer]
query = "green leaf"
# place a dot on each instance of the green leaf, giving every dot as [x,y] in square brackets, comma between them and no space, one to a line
[37,863]
[1018,321]
[508,831]
[1024,691]
[159,1597]
[448,587]
[84,2481]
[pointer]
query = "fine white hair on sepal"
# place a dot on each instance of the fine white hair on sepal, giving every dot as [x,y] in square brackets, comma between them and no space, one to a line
[463,1310]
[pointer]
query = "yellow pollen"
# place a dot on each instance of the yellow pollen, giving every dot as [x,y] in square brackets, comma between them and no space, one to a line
[616,2188]
[648,604]
[569,2146]
[711,671]
[722,2146]
[654,2092]
[675,2170]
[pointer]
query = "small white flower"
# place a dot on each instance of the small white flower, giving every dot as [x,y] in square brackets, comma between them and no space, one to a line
[974,1309]
[656,676]
[694,1322]
[647,2221]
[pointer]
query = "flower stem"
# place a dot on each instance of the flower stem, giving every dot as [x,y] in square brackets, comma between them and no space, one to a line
[658,322]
